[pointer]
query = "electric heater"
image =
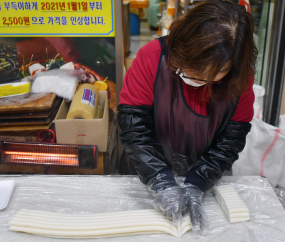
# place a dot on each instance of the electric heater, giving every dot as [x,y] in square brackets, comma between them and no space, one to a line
[82,156]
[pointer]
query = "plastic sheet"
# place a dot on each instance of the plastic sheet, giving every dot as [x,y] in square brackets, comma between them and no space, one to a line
[21,101]
[100,194]
[280,193]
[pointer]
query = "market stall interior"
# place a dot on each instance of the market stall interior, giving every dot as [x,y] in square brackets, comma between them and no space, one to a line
[64,132]
[50,71]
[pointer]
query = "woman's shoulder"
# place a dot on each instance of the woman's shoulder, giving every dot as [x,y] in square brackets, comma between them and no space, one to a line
[138,85]
[244,110]
[151,48]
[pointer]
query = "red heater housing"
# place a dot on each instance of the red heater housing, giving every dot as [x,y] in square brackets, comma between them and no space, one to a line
[82,156]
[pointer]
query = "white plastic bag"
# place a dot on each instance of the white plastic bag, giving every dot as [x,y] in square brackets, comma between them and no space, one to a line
[61,82]
[263,153]
[258,111]
[259,93]
[282,122]
[281,181]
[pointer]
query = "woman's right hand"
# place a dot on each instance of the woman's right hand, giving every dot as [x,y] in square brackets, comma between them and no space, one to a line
[168,197]
[170,202]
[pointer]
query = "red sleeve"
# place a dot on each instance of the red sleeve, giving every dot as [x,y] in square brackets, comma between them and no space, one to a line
[138,85]
[244,111]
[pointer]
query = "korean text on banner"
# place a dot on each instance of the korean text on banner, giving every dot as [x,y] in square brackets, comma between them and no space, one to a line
[57,17]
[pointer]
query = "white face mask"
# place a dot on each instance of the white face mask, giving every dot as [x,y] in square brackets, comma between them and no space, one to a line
[189,81]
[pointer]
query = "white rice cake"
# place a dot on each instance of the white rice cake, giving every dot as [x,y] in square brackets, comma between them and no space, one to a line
[101,225]
[231,203]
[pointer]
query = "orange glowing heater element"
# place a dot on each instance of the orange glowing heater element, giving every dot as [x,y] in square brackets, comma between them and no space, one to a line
[43,158]
[48,154]
[40,154]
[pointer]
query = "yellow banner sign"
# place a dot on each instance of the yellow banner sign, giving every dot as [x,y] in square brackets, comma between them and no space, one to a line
[57,18]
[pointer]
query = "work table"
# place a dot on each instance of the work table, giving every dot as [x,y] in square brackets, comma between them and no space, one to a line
[101,194]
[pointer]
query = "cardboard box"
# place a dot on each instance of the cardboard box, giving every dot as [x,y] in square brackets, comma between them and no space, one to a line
[83,131]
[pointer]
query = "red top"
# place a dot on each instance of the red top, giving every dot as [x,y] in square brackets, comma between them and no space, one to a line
[138,86]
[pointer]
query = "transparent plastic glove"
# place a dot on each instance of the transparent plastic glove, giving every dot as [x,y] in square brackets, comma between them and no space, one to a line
[169,202]
[193,200]
[167,194]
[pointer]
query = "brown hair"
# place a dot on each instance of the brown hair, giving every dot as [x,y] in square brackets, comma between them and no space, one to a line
[211,34]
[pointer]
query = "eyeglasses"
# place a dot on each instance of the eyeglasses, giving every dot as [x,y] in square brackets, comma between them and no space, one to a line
[191,78]
[195,79]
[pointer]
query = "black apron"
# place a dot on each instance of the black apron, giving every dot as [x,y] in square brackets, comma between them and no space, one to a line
[183,134]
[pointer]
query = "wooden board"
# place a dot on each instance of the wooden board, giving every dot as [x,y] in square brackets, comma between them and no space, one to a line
[20,169]
[20,138]
[32,115]
[42,104]
[25,128]
[28,122]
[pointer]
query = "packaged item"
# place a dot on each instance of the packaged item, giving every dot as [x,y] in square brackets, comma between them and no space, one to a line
[84,103]
[15,89]
[62,82]
[84,131]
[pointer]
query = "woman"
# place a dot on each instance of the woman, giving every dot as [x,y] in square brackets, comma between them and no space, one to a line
[186,104]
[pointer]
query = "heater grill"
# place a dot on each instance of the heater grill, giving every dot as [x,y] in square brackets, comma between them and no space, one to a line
[49,154]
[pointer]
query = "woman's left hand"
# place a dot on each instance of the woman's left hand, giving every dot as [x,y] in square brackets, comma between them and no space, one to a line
[193,201]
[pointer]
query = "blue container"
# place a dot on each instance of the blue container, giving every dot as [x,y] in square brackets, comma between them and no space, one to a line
[135,24]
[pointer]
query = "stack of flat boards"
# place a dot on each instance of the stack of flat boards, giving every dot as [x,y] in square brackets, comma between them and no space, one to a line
[35,115]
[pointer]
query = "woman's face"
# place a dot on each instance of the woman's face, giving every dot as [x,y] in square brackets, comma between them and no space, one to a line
[201,78]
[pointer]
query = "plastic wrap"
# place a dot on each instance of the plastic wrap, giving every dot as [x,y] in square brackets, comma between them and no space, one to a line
[100,194]
[280,193]
[167,195]
[169,202]
[193,199]
[21,101]
[62,82]
[165,179]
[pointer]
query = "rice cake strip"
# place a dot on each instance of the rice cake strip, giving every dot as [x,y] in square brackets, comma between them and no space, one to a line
[231,203]
[95,225]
